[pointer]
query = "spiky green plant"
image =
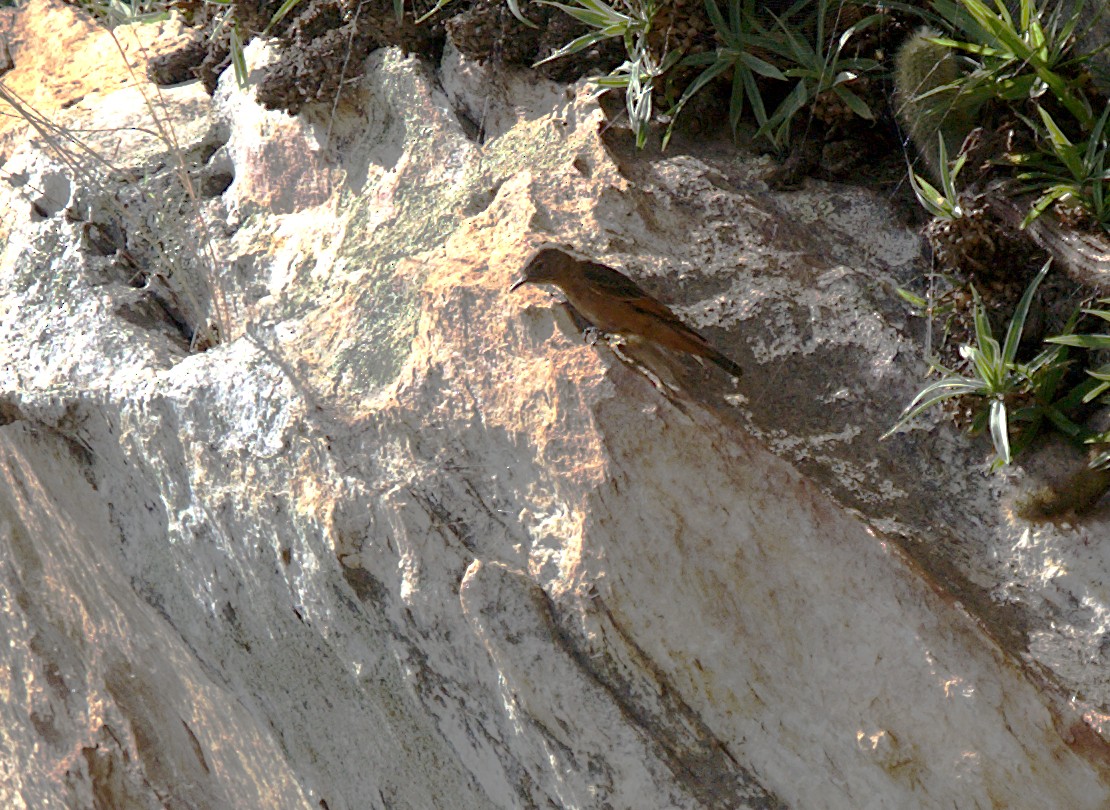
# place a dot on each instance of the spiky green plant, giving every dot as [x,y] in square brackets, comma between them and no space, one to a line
[1092,342]
[993,375]
[1069,173]
[637,76]
[943,203]
[1017,58]
[741,36]
[116,12]
[819,65]
[816,64]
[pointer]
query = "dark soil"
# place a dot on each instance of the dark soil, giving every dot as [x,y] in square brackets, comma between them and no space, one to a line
[325,42]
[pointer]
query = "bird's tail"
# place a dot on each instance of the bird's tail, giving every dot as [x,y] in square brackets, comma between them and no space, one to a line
[728,365]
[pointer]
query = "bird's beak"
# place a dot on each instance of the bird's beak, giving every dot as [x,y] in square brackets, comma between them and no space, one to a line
[521,279]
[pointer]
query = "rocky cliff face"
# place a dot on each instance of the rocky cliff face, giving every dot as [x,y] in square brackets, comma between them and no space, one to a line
[302,509]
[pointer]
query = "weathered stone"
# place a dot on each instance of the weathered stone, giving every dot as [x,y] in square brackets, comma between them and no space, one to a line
[401,539]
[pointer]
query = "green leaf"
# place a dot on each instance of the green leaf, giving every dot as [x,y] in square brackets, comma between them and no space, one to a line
[238,58]
[576,45]
[854,102]
[706,76]
[949,172]
[591,17]
[761,67]
[736,100]
[1096,392]
[514,7]
[1017,322]
[1063,424]
[754,98]
[939,391]
[1096,143]
[1101,373]
[1082,341]
[1101,461]
[983,332]
[786,111]
[715,16]
[431,13]
[932,200]
[279,15]
[1050,196]
[1000,435]
[1098,313]
[911,298]
[1065,150]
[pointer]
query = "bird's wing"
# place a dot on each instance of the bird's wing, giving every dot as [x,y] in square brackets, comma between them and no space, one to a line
[618,285]
[662,313]
[611,282]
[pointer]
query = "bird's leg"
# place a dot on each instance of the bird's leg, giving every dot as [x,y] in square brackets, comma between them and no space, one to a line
[590,333]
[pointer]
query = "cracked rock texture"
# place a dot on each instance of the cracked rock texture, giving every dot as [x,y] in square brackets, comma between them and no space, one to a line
[393,538]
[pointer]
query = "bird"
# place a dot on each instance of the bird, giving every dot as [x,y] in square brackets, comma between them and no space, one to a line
[616,304]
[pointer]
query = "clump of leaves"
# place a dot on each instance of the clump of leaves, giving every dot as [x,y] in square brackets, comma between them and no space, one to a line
[753,45]
[638,75]
[116,12]
[943,203]
[1069,174]
[1085,488]
[1016,59]
[742,38]
[819,67]
[1092,342]
[1007,391]
[964,233]
[750,48]
[1028,60]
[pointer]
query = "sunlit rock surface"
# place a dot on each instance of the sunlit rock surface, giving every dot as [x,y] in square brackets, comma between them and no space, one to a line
[404,540]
